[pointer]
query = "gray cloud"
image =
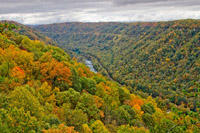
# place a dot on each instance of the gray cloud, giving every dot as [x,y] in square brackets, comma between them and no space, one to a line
[51,11]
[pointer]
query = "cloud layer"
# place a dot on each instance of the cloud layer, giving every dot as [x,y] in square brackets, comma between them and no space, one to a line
[54,11]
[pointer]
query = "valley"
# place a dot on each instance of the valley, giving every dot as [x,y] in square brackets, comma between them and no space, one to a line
[160,59]
[43,89]
[100,66]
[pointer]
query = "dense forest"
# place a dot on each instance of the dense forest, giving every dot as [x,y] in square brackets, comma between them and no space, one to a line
[31,33]
[158,59]
[43,90]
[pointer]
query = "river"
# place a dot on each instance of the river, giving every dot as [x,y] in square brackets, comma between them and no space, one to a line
[90,65]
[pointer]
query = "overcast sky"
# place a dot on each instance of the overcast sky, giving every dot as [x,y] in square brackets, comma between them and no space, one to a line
[54,11]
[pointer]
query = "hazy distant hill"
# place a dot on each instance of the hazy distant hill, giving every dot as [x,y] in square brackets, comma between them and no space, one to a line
[161,59]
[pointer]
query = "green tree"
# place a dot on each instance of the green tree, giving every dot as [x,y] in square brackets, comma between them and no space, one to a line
[98,127]
[87,105]
[88,84]
[122,116]
[148,120]
[165,125]
[76,118]
[148,108]
[21,97]
[70,96]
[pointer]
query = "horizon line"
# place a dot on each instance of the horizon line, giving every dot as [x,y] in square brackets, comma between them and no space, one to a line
[103,21]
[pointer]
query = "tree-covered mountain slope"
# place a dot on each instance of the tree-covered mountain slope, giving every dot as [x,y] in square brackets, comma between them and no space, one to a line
[30,32]
[161,59]
[43,90]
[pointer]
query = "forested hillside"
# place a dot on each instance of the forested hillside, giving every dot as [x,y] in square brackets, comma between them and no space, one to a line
[31,33]
[43,90]
[159,59]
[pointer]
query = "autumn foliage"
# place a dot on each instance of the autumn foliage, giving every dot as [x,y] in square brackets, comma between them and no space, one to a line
[43,90]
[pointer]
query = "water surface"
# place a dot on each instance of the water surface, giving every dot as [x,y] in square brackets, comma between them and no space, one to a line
[90,65]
